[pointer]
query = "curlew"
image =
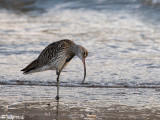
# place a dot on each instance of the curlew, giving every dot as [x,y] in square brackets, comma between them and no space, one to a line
[55,57]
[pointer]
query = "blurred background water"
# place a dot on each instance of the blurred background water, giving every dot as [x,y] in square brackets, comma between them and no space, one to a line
[122,36]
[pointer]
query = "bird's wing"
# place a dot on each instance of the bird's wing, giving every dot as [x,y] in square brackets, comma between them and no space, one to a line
[53,52]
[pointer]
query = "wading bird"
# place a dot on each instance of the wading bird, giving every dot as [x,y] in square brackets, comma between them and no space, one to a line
[55,57]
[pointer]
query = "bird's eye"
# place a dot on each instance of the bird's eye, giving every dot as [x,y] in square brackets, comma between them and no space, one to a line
[84,53]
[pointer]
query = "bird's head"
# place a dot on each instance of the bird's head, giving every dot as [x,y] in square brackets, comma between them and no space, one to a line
[82,53]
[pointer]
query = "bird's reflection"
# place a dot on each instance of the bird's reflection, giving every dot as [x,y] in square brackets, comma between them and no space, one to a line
[57,111]
[49,112]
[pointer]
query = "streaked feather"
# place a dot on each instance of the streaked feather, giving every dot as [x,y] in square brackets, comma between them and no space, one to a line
[52,57]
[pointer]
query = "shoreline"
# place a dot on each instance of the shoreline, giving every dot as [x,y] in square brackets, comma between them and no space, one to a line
[81,86]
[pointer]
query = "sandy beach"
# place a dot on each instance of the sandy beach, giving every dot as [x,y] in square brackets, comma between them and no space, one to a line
[78,103]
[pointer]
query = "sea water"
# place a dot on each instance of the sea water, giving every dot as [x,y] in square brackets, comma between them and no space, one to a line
[122,37]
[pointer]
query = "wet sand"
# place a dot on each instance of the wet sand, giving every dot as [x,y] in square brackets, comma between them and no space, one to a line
[38,103]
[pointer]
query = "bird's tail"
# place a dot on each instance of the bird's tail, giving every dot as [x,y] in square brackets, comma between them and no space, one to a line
[31,67]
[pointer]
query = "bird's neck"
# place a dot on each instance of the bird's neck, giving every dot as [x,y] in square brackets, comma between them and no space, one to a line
[74,49]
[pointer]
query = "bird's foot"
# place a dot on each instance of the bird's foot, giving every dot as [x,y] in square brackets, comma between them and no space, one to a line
[82,83]
[57,98]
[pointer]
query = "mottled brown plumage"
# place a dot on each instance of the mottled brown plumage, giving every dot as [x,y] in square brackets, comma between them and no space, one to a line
[58,51]
[55,57]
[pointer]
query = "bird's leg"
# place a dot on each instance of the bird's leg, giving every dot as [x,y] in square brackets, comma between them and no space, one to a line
[57,97]
[58,73]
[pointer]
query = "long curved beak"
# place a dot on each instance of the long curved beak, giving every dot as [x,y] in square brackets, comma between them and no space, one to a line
[83,60]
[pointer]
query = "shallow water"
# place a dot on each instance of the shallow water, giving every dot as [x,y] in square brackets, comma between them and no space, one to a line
[37,103]
[122,38]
